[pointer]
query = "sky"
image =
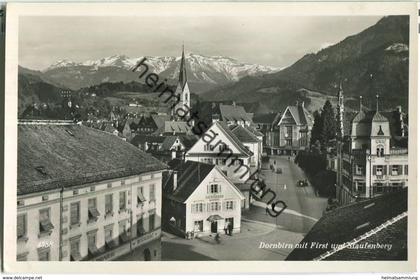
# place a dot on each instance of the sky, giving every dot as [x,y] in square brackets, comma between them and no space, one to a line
[275,41]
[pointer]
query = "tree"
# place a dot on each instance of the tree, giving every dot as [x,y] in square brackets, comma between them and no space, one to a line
[328,131]
[317,128]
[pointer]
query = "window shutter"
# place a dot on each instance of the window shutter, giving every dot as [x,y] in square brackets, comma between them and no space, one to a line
[400,169]
[208,189]
[374,170]
[219,188]
[354,168]
[406,169]
[384,168]
[233,204]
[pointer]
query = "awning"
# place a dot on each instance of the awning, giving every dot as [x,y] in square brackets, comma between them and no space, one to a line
[93,212]
[124,237]
[75,256]
[214,218]
[140,198]
[93,251]
[110,244]
[46,225]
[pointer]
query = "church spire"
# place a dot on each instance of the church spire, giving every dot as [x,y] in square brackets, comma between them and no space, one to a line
[182,70]
[377,103]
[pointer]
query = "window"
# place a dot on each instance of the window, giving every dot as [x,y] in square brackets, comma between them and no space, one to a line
[108,204]
[379,170]
[109,185]
[197,208]
[44,197]
[140,196]
[91,238]
[75,213]
[122,200]
[93,212]
[45,225]
[152,192]
[288,142]
[22,257]
[380,151]
[395,170]
[289,130]
[44,254]
[359,169]
[75,249]
[140,226]
[109,240]
[215,188]
[152,220]
[215,206]
[229,205]
[21,226]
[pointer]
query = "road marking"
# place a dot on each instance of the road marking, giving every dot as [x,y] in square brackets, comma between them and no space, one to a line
[288,211]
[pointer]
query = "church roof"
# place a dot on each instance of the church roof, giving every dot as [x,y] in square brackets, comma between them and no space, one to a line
[182,71]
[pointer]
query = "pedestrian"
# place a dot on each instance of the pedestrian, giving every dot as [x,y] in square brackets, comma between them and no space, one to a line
[230,228]
[217,238]
[226,227]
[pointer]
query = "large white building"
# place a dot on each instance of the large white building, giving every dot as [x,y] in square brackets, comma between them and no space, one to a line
[84,194]
[220,146]
[372,156]
[199,199]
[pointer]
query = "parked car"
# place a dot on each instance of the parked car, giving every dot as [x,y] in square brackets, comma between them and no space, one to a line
[302,183]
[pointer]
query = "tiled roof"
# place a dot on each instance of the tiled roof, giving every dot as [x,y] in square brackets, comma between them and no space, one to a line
[177,127]
[267,118]
[51,156]
[190,175]
[394,234]
[349,222]
[300,115]
[234,139]
[365,119]
[234,113]
[243,134]
[168,142]
[140,139]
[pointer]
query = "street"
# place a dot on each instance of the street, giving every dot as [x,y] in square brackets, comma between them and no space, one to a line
[304,208]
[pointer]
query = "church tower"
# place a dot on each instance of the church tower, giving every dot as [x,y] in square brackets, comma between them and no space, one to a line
[182,90]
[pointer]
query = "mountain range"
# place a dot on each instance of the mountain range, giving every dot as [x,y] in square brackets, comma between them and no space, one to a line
[204,72]
[374,61]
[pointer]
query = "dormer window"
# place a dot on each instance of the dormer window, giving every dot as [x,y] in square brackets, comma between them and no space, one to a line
[380,151]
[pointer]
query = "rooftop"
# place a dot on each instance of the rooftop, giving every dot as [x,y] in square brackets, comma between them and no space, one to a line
[346,223]
[52,155]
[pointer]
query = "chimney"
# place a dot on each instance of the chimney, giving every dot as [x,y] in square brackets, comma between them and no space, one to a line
[175,175]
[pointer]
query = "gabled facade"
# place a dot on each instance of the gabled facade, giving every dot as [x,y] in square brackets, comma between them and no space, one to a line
[251,142]
[199,200]
[295,128]
[220,146]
